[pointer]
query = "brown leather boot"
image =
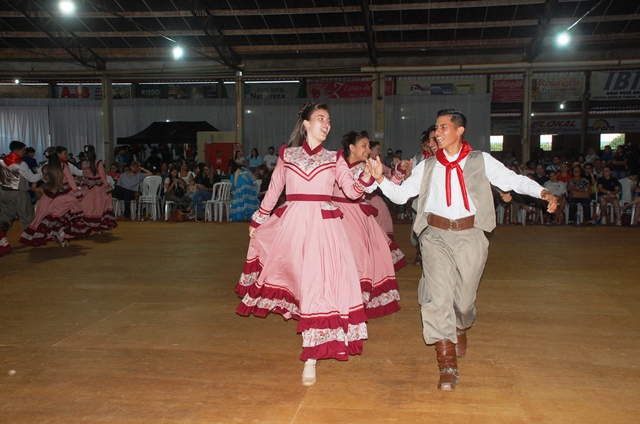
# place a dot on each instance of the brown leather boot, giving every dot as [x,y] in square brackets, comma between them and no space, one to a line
[446,354]
[461,346]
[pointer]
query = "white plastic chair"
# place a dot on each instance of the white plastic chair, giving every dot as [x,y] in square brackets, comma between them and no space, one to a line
[220,199]
[209,204]
[118,208]
[150,198]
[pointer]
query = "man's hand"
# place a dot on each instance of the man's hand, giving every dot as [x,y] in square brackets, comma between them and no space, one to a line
[406,166]
[553,201]
[252,232]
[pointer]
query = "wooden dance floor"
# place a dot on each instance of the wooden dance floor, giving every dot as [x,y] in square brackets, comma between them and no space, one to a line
[138,326]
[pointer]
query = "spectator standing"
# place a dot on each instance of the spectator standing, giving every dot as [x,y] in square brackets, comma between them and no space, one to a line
[270,159]
[254,159]
[608,189]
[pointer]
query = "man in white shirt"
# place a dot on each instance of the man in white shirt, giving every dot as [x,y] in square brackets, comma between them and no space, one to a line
[270,159]
[455,208]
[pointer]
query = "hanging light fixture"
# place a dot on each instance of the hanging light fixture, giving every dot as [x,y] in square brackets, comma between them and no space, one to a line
[67,7]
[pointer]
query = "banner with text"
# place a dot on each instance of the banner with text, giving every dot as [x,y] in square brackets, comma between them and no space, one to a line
[273,91]
[554,88]
[615,85]
[509,90]
[440,86]
[342,89]
[177,91]
[567,126]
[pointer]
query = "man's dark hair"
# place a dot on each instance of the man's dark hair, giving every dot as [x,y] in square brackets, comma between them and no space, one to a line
[457,117]
[16,145]
[30,150]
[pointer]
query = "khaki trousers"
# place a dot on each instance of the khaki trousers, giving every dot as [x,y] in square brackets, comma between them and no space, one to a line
[452,264]
[16,202]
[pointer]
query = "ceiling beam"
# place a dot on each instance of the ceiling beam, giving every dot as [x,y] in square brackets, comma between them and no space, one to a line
[65,39]
[371,44]
[214,35]
[534,50]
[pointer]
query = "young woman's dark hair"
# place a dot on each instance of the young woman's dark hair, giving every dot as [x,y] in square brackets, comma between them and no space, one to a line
[350,138]
[299,133]
[55,179]
[90,157]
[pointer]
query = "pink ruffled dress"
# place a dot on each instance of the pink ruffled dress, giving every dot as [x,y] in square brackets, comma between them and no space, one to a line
[57,211]
[369,243]
[96,199]
[300,263]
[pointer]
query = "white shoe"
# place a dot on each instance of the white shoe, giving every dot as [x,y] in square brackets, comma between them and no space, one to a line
[619,223]
[309,373]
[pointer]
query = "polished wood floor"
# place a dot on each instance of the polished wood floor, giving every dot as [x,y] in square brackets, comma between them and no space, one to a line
[138,326]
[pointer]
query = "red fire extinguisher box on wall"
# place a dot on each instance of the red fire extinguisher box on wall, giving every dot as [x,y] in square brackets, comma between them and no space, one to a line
[217,148]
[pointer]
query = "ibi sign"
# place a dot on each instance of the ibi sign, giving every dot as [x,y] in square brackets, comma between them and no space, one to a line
[615,85]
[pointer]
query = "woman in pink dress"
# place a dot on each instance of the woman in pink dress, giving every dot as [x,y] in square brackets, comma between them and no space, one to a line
[300,263]
[59,213]
[96,194]
[383,217]
[369,243]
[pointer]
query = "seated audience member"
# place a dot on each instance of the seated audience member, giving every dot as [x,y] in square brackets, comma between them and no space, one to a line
[113,172]
[565,173]
[264,175]
[635,200]
[579,192]
[175,189]
[608,190]
[270,159]
[607,154]
[591,155]
[593,180]
[204,191]
[186,174]
[128,186]
[540,176]
[554,165]
[558,189]
[232,164]
[245,195]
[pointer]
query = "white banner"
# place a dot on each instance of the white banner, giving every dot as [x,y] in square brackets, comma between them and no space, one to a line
[615,85]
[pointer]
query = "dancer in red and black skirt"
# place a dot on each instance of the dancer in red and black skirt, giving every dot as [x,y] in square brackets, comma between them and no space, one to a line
[59,214]
[96,194]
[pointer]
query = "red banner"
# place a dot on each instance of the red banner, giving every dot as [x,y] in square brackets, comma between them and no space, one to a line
[508,90]
[344,89]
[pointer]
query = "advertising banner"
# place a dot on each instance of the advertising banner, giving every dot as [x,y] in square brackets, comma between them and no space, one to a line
[567,126]
[440,86]
[342,89]
[272,91]
[14,91]
[615,85]
[90,92]
[557,88]
[177,91]
[507,90]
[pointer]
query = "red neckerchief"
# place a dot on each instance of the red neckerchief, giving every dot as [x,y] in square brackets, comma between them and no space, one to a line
[426,154]
[12,158]
[455,165]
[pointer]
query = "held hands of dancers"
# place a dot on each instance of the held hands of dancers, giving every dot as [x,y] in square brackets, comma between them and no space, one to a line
[374,167]
[252,232]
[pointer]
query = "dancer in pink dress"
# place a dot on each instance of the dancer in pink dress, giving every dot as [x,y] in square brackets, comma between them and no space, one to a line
[96,194]
[59,214]
[300,263]
[369,243]
[383,217]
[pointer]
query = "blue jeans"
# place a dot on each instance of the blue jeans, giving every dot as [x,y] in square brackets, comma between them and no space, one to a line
[197,199]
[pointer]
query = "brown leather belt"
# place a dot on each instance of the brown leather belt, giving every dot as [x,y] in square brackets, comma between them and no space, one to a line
[443,223]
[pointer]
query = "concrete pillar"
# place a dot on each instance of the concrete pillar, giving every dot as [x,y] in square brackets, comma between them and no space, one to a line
[526,117]
[107,121]
[240,111]
[377,102]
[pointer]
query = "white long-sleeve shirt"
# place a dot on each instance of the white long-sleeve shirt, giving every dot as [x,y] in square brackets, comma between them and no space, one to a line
[497,174]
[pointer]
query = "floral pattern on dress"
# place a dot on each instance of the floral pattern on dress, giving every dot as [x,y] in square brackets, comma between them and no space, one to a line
[297,157]
[317,336]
